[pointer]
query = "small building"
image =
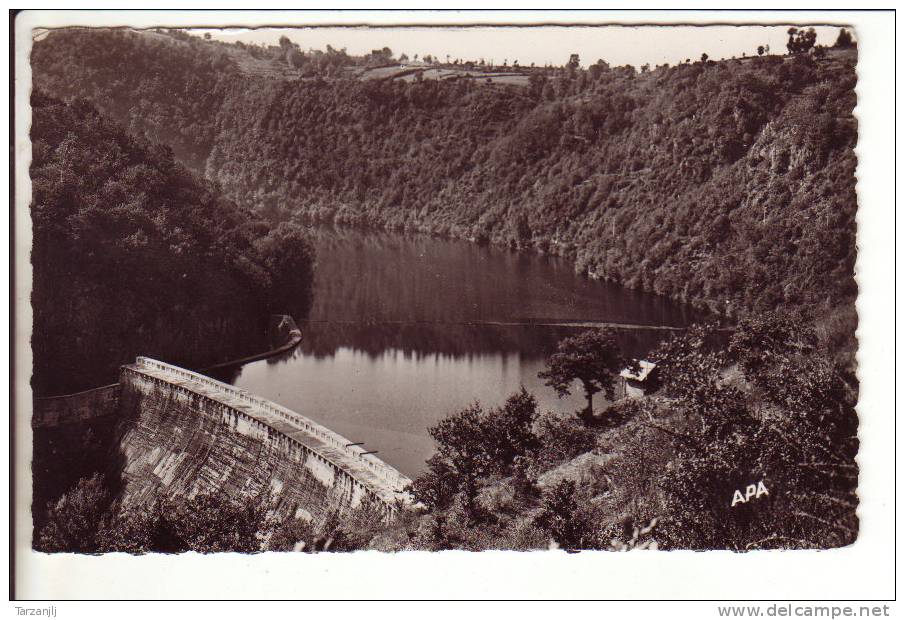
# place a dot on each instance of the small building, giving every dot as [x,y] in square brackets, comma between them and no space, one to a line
[638,383]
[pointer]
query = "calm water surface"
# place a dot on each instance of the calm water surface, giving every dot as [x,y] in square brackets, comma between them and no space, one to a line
[406,330]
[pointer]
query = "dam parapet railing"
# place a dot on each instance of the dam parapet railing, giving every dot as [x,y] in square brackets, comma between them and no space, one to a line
[387,474]
[99,402]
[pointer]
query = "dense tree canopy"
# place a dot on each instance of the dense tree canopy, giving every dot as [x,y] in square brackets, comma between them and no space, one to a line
[729,183]
[725,183]
[134,254]
[787,420]
[89,519]
[768,410]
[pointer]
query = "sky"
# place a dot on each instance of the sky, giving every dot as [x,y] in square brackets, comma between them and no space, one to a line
[618,45]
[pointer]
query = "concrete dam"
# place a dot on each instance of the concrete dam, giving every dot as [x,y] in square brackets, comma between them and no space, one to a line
[191,434]
[164,431]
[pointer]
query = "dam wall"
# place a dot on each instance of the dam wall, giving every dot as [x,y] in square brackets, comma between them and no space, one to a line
[72,436]
[100,402]
[75,408]
[188,434]
[164,431]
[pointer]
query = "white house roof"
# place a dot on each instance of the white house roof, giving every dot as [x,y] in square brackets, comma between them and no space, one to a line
[641,375]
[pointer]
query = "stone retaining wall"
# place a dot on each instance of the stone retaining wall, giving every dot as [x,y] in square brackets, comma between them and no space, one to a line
[88,405]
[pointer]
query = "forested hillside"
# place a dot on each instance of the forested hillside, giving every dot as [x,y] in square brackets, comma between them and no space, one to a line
[662,471]
[134,254]
[728,183]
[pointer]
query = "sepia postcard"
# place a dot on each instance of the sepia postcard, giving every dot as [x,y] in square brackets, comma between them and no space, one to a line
[343,290]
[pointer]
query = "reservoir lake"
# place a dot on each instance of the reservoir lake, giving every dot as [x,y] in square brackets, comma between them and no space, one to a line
[405,330]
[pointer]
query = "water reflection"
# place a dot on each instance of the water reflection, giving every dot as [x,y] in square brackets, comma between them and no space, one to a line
[406,330]
[383,277]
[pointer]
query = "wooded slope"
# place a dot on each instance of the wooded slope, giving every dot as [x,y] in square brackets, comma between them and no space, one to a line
[134,254]
[724,183]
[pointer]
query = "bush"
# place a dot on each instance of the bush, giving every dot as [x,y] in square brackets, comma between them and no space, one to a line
[560,517]
[561,439]
[75,519]
[473,444]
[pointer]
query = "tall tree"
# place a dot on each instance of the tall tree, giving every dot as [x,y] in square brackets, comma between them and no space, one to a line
[844,39]
[591,358]
[801,41]
[511,428]
[461,443]
[474,443]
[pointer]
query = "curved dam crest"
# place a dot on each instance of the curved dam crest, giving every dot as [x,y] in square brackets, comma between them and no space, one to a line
[172,432]
[193,434]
